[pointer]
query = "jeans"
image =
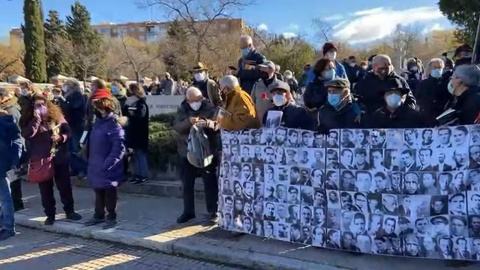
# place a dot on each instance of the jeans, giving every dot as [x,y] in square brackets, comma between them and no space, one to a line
[7,216]
[209,175]
[77,163]
[140,163]
[106,198]
[64,186]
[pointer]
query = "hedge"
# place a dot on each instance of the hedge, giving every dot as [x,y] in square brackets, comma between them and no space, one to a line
[162,149]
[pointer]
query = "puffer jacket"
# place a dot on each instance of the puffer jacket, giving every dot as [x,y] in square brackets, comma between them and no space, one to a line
[369,91]
[10,144]
[106,148]
[293,117]
[315,95]
[182,124]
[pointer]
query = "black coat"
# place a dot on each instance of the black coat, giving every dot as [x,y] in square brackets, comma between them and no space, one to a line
[370,91]
[293,117]
[249,77]
[403,117]
[75,110]
[136,131]
[431,98]
[353,73]
[293,85]
[315,95]
[347,117]
[412,80]
[467,106]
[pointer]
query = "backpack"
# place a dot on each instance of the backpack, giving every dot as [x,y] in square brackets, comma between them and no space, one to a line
[199,153]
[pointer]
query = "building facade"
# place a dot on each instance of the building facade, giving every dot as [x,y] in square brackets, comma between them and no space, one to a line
[150,31]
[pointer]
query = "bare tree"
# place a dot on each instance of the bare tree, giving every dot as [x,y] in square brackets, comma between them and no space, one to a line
[403,40]
[139,56]
[198,16]
[11,60]
[323,29]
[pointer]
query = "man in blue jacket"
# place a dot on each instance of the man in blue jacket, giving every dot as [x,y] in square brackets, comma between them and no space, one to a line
[247,65]
[10,151]
[330,52]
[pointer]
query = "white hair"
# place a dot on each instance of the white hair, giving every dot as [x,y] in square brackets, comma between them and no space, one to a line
[248,39]
[380,58]
[429,68]
[193,92]
[229,81]
[469,74]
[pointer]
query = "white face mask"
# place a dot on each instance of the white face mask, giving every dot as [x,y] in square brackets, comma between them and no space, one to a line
[279,100]
[199,77]
[195,105]
[23,92]
[331,55]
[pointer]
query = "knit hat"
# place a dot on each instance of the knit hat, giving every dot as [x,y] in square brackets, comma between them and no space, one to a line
[101,93]
[328,46]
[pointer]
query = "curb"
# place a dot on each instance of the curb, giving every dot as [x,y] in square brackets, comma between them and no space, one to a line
[177,246]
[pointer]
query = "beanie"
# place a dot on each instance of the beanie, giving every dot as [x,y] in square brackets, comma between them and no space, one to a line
[328,46]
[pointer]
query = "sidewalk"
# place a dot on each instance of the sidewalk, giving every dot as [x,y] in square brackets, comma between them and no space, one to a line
[149,222]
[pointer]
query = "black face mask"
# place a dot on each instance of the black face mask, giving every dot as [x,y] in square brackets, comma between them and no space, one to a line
[264,75]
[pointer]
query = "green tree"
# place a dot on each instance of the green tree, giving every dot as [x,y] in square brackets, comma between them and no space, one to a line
[56,40]
[175,51]
[465,14]
[86,53]
[291,54]
[35,58]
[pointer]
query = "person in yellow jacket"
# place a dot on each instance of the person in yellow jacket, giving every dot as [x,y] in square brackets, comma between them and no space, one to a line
[238,110]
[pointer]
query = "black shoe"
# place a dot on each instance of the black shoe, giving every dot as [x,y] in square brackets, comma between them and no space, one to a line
[185,218]
[4,234]
[74,216]
[109,224]
[140,181]
[49,221]
[132,180]
[94,221]
[17,208]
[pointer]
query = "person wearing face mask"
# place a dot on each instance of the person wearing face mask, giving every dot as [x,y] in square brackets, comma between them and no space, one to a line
[430,95]
[341,110]
[370,90]
[315,95]
[197,110]
[168,85]
[208,87]
[330,52]
[238,106]
[247,72]
[99,88]
[395,113]
[413,74]
[293,116]
[462,56]
[106,148]
[463,86]
[119,91]
[136,131]
[292,82]
[353,70]
[24,94]
[260,94]
[46,134]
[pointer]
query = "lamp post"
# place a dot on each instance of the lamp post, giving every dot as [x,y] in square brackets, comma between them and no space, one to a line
[476,48]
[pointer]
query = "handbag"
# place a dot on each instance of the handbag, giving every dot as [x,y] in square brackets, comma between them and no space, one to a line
[42,170]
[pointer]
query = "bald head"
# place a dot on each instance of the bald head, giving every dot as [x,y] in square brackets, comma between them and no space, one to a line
[194,94]
[246,42]
[382,65]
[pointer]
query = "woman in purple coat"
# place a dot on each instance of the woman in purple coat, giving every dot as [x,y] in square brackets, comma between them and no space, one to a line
[105,161]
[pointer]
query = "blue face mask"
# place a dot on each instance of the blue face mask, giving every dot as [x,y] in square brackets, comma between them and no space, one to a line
[245,51]
[114,90]
[329,75]
[436,73]
[334,99]
[394,100]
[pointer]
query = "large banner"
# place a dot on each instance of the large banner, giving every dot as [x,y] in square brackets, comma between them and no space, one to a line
[410,192]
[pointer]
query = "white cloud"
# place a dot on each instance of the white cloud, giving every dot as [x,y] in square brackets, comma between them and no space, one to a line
[263,27]
[368,11]
[378,23]
[335,17]
[431,28]
[293,27]
[289,35]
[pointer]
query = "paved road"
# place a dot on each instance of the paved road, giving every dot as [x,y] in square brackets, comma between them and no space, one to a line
[34,249]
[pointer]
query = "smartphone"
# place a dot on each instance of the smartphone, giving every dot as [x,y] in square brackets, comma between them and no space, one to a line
[84,137]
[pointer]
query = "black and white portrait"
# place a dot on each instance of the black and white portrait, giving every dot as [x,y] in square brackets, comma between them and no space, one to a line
[235,153]
[307,216]
[473,202]
[333,218]
[333,199]
[333,239]
[319,216]
[377,160]
[318,140]
[294,194]
[256,137]
[292,156]
[474,152]
[283,231]
[390,204]
[411,139]
[247,173]
[361,138]
[269,174]
[332,139]
[348,138]
[269,229]
[258,173]
[378,138]
[394,138]
[411,183]
[280,136]
[318,236]
[282,212]
[318,159]
[274,119]
[347,180]
[332,159]
[332,179]
[245,137]
[283,174]
[396,183]
[317,178]
[460,136]
[269,211]
[427,138]
[359,224]
[443,139]
[361,160]
[363,181]
[439,226]
[439,205]
[319,199]
[306,196]
[307,139]
[346,159]
[457,204]
[458,226]
[281,193]
[292,138]
[293,214]
[267,137]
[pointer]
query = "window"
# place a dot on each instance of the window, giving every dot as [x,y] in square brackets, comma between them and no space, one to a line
[132,29]
[123,30]
[141,29]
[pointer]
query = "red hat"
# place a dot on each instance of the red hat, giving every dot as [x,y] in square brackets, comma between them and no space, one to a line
[101,93]
[328,46]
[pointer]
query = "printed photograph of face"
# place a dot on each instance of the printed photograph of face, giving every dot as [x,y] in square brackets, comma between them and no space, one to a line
[378,138]
[333,199]
[361,138]
[234,137]
[458,226]
[332,139]
[307,139]
[332,179]
[457,204]
[293,214]
[319,199]
[306,215]
[363,181]
[320,216]
[348,138]
[414,206]
[333,239]
[474,152]
[333,218]
[332,159]
[443,138]
[306,196]
[396,183]
[318,236]
[267,137]
[280,136]
[247,173]
[270,174]
[347,180]
[318,140]
[393,159]
[246,154]
[390,204]
[412,246]
[475,135]
[411,183]
[358,225]
[439,226]
[258,227]
[473,202]
[292,138]
[460,136]
[283,231]
[317,178]
[427,138]
[411,139]
[269,229]
[293,156]
[256,137]
[394,138]
[389,226]
[245,137]
[306,158]
[377,160]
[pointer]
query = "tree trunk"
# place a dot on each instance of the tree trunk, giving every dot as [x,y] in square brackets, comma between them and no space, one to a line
[199,51]
[137,76]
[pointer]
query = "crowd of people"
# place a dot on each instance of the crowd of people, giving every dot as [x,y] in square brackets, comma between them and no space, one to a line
[69,133]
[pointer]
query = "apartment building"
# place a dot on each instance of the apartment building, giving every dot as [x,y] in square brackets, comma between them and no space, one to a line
[150,31]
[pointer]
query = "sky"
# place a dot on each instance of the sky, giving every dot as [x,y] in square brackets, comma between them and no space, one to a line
[355,21]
